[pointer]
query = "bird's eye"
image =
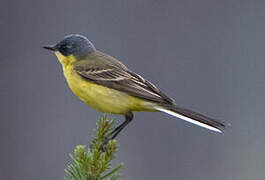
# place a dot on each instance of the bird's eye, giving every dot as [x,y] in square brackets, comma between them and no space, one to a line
[66,47]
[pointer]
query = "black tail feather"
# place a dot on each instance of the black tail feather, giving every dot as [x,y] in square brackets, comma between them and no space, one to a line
[196,118]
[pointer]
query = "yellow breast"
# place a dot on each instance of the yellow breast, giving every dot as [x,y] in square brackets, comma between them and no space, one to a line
[99,97]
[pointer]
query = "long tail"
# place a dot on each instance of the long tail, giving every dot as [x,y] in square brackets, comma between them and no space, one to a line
[193,117]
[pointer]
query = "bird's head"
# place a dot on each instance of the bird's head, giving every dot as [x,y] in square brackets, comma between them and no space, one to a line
[72,45]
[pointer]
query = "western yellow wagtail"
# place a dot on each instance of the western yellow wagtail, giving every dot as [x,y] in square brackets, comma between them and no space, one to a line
[107,85]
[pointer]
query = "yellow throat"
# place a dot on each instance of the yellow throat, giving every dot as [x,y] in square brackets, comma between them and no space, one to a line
[99,97]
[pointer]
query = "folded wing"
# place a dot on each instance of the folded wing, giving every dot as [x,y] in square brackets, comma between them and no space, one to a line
[121,80]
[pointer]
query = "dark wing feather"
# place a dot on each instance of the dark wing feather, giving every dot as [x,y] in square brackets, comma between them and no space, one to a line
[107,71]
[122,80]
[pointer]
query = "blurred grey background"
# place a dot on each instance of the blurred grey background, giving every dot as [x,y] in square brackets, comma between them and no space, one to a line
[206,54]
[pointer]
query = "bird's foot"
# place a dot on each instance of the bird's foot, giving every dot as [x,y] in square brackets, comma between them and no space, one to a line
[103,146]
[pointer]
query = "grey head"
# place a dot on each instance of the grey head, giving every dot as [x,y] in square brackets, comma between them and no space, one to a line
[73,44]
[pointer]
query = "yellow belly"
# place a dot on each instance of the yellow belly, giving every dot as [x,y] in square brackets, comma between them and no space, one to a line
[102,98]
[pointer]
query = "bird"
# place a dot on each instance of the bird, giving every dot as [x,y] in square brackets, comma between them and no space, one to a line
[107,85]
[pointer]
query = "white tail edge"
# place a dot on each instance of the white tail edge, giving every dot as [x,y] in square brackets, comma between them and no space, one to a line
[188,119]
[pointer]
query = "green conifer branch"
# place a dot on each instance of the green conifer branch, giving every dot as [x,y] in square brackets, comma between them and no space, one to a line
[94,163]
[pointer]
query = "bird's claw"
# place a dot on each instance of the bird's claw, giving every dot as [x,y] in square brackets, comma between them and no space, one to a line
[103,146]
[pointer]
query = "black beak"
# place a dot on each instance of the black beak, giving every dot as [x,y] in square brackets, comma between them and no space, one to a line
[50,47]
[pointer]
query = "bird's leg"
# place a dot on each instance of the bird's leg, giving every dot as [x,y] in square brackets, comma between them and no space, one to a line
[128,119]
[117,130]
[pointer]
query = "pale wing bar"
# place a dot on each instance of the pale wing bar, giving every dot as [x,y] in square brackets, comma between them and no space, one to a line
[124,81]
